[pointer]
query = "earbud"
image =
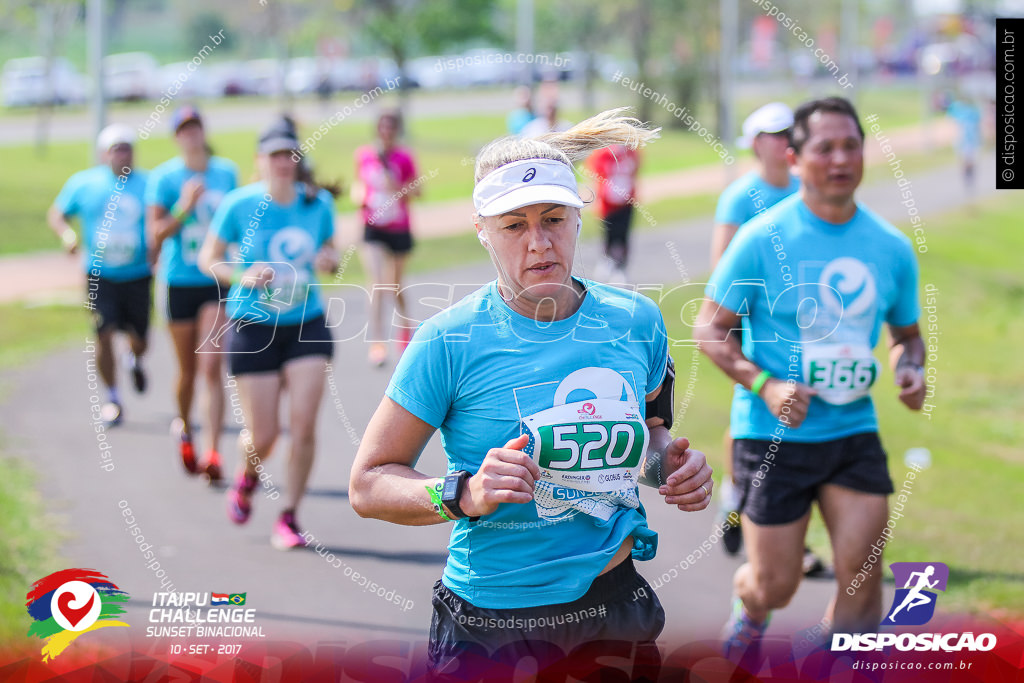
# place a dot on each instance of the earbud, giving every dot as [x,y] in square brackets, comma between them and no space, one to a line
[483,239]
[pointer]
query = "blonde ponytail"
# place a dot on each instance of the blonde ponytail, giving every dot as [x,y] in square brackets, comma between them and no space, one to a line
[610,127]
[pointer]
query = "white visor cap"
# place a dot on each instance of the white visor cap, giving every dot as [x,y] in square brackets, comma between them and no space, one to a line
[521,183]
[114,134]
[774,117]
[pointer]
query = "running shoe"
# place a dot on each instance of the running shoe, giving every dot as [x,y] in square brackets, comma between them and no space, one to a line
[741,637]
[138,374]
[212,467]
[111,414]
[732,536]
[188,453]
[286,532]
[378,355]
[814,567]
[240,498]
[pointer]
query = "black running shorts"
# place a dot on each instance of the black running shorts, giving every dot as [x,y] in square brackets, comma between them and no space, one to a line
[778,482]
[619,615]
[396,242]
[121,305]
[183,303]
[254,347]
[616,225]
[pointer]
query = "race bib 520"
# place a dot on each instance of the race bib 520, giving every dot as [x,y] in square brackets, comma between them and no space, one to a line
[592,445]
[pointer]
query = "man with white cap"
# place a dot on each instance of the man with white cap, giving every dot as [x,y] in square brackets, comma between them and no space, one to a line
[109,200]
[766,131]
[553,399]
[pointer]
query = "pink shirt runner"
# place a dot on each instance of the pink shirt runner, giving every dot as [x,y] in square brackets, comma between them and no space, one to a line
[384,206]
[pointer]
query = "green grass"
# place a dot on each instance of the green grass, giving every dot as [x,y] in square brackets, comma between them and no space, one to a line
[28,536]
[964,510]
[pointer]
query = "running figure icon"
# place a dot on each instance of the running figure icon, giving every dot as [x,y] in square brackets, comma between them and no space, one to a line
[915,597]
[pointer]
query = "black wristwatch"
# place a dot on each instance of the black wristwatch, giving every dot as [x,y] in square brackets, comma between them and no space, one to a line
[451,492]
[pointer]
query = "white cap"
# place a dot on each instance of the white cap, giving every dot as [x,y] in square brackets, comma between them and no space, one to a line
[521,183]
[774,117]
[114,134]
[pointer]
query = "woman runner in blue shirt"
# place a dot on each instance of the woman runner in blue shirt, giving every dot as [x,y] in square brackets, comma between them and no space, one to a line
[544,387]
[181,197]
[277,338]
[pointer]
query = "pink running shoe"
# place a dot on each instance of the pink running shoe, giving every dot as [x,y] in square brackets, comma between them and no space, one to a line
[240,498]
[286,533]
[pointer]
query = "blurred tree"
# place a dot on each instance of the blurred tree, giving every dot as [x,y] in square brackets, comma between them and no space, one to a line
[583,27]
[204,24]
[404,27]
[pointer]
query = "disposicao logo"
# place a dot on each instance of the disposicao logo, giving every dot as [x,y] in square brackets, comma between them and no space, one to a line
[69,603]
[914,605]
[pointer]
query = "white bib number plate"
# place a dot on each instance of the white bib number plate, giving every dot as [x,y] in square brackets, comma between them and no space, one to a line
[840,373]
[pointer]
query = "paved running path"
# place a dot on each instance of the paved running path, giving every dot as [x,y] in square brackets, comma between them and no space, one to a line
[298,595]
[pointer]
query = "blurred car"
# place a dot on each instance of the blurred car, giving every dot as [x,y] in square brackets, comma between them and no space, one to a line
[131,76]
[428,74]
[196,83]
[304,75]
[24,83]
[486,66]
[263,76]
[960,56]
[227,78]
[344,74]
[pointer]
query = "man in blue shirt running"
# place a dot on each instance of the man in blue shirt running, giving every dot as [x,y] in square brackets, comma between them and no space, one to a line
[109,200]
[803,425]
[766,131]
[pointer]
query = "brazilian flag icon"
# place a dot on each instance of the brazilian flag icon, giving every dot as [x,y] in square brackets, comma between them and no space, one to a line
[237,598]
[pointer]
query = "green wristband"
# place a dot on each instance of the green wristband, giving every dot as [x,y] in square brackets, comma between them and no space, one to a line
[435,498]
[178,214]
[759,381]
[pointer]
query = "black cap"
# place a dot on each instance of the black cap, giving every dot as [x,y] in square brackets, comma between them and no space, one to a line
[280,136]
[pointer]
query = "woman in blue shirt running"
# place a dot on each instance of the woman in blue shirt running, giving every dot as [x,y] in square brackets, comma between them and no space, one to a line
[545,388]
[282,231]
[181,197]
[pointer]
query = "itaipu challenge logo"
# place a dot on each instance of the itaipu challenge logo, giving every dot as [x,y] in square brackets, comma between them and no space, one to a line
[70,603]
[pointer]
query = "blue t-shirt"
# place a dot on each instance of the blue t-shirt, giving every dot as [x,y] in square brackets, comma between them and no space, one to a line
[180,252]
[748,195]
[968,118]
[476,371]
[286,238]
[113,221]
[814,296]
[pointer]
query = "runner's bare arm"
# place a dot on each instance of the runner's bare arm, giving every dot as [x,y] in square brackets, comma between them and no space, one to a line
[676,470]
[58,222]
[384,485]
[161,223]
[906,357]
[720,238]
[714,322]
[326,259]
[212,261]
[712,330]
